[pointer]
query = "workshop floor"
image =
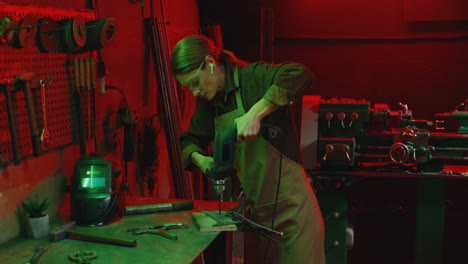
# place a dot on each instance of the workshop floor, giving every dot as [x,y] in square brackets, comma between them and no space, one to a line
[384,217]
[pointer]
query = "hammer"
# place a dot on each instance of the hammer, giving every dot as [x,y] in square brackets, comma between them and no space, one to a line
[6,87]
[67,230]
[24,80]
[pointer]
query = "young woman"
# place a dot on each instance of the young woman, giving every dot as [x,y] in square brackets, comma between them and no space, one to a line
[231,93]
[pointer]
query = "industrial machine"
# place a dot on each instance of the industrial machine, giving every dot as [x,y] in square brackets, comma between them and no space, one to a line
[354,136]
[96,191]
[345,141]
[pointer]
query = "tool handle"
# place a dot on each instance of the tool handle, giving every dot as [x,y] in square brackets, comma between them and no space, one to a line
[88,73]
[165,234]
[82,74]
[101,239]
[32,120]
[76,73]
[13,124]
[93,73]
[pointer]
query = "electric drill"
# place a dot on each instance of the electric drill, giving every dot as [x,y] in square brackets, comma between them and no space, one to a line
[223,154]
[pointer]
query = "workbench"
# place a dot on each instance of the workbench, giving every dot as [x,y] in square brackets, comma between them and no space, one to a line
[150,248]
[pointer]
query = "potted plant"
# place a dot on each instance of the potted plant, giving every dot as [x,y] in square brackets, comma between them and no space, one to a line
[38,220]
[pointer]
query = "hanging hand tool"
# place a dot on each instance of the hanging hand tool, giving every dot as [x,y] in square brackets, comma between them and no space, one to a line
[24,81]
[6,85]
[83,95]
[159,230]
[44,135]
[76,101]
[88,96]
[93,101]
[83,257]
[37,255]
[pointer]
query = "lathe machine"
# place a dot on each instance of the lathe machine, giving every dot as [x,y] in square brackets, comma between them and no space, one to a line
[343,140]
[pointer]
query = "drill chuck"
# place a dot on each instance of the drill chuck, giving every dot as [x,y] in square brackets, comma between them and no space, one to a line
[218,186]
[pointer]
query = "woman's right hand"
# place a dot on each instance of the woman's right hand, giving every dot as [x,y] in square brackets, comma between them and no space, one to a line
[202,162]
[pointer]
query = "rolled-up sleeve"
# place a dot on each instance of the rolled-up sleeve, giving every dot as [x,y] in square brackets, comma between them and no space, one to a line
[289,81]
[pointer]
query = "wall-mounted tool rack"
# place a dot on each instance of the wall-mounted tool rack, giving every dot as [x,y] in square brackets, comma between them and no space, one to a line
[61,122]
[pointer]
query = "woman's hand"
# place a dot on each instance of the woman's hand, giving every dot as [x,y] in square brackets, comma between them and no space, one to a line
[202,162]
[248,125]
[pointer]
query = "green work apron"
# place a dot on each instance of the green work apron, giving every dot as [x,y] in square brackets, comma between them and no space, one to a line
[297,211]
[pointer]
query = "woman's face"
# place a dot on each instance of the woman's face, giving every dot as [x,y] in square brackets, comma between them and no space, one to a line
[203,82]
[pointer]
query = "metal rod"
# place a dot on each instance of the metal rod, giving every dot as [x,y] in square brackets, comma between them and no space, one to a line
[169,102]
[378,147]
[449,158]
[27,27]
[450,149]
[374,156]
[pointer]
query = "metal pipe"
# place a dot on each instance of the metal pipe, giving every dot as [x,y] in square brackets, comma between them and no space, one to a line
[374,156]
[450,149]
[449,158]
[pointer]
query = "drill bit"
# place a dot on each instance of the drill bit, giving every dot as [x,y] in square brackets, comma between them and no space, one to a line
[220,201]
[219,189]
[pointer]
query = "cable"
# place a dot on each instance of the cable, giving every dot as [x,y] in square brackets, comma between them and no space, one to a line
[131,130]
[116,136]
[121,93]
[149,164]
[280,169]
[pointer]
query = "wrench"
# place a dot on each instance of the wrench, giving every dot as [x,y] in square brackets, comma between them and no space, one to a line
[44,135]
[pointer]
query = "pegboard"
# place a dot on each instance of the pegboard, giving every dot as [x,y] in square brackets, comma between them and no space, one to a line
[60,109]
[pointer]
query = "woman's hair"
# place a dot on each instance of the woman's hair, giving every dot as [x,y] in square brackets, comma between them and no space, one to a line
[189,53]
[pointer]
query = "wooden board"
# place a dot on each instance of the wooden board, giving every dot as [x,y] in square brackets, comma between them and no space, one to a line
[206,224]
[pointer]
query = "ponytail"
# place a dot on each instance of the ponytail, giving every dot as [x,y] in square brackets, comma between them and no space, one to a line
[189,53]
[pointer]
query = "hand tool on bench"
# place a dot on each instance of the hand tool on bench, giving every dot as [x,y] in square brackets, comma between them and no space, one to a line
[24,80]
[158,230]
[67,230]
[6,85]
[37,255]
[83,257]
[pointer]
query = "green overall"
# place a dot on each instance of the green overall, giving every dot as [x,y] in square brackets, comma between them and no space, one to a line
[297,211]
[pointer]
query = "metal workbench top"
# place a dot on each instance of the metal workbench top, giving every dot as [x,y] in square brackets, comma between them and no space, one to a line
[150,248]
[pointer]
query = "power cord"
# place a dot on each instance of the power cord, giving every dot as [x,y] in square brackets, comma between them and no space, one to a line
[149,162]
[280,169]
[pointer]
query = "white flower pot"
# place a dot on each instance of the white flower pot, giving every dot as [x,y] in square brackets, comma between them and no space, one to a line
[39,226]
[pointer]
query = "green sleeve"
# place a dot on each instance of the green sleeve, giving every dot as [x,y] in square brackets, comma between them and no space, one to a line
[199,133]
[289,80]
